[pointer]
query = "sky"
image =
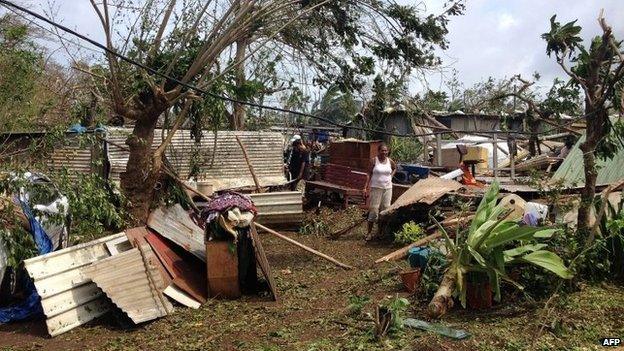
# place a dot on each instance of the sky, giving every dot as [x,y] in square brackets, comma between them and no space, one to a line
[501,38]
[497,38]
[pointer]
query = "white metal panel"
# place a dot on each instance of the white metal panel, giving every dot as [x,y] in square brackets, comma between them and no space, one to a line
[223,166]
[68,297]
[279,207]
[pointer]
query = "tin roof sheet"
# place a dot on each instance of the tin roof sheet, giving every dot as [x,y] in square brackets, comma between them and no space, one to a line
[220,162]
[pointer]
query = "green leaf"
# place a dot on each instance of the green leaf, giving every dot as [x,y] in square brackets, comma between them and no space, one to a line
[488,202]
[512,233]
[520,250]
[548,261]
[477,256]
[546,233]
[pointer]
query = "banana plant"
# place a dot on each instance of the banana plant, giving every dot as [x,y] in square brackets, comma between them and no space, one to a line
[485,248]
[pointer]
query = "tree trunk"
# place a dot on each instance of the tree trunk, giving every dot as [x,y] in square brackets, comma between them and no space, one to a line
[594,133]
[237,121]
[442,301]
[139,179]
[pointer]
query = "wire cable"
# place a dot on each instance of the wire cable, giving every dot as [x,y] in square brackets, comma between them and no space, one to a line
[153,71]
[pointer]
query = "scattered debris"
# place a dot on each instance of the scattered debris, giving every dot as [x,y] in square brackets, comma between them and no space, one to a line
[437,328]
[426,191]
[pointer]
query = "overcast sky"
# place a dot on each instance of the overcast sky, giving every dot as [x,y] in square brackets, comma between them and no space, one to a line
[502,37]
[494,38]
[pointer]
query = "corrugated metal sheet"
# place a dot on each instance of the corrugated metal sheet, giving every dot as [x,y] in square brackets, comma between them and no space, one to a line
[229,169]
[572,170]
[175,224]
[279,207]
[74,157]
[68,296]
[132,281]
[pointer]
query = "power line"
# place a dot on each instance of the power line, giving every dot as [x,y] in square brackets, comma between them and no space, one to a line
[9,4]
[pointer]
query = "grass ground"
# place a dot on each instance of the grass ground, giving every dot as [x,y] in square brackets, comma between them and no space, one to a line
[312,313]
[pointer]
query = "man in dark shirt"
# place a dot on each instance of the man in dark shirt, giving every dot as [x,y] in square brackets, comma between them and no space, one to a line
[299,163]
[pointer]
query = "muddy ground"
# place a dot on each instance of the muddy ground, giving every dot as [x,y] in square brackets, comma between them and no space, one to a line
[312,313]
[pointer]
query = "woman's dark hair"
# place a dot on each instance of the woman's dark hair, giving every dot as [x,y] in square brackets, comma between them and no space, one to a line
[297,142]
[382,145]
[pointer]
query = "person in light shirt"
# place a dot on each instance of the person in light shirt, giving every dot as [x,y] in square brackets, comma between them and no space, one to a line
[379,188]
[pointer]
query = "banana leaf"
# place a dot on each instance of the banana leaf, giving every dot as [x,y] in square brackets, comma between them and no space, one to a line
[548,261]
[520,250]
[485,208]
[515,233]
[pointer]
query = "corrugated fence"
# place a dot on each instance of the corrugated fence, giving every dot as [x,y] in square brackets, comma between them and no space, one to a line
[224,165]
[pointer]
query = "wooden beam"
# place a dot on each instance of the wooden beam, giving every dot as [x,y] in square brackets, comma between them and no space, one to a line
[300,245]
[251,169]
[402,252]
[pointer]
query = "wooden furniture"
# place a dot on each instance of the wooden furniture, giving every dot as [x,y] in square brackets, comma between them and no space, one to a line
[342,180]
[356,154]
[222,269]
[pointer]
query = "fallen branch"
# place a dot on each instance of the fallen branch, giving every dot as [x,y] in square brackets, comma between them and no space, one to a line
[401,253]
[342,232]
[298,244]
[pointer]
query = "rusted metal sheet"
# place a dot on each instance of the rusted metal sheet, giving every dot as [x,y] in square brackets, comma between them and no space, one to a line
[133,283]
[425,191]
[224,165]
[188,277]
[283,208]
[175,224]
[68,296]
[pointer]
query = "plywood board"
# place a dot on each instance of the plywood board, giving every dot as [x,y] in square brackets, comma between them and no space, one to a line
[188,277]
[426,191]
[263,262]
[181,297]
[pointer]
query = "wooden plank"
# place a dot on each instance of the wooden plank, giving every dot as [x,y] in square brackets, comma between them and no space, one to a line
[263,262]
[188,277]
[175,224]
[181,297]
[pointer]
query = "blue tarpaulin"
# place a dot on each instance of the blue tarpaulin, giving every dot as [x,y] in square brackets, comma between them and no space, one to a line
[31,306]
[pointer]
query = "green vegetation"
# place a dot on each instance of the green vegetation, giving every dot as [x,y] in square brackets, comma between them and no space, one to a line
[410,232]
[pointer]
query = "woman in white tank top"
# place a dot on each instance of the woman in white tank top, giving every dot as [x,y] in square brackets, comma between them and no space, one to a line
[379,187]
